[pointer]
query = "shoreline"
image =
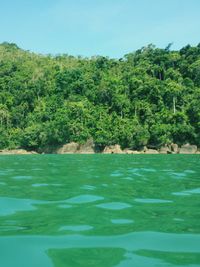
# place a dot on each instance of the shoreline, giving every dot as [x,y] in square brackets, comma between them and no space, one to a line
[89,148]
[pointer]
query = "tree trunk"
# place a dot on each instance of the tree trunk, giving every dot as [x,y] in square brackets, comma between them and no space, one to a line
[174,104]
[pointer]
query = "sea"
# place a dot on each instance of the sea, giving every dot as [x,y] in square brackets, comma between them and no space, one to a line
[100,210]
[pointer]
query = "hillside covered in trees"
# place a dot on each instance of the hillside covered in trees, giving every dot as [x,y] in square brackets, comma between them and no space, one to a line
[150,97]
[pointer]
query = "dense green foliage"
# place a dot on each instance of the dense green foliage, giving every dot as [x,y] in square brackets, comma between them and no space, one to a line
[149,97]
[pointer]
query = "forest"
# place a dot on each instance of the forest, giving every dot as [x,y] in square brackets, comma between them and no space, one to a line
[150,97]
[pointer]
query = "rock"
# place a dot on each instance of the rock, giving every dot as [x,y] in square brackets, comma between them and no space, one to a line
[151,151]
[51,149]
[165,150]
[16,152]
[116,149]
[174,148]
[188,149]
[75,148]
[129,151]
[144,149]
[32,152]
[87,148]
[69,148]
[198,152]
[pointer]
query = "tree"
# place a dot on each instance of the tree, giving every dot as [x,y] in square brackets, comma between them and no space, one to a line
[148,97]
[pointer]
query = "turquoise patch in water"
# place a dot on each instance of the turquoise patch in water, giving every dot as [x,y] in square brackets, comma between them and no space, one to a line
[88,187]
[152,200]
[22,177]
[114,206]
[39,185]
[84,199]
[76,228]
[65,206]
[122,221]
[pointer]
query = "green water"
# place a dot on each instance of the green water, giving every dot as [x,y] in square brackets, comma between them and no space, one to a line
[100,210]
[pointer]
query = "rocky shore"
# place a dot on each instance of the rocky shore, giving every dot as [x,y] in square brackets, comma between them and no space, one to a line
[16,152]
[89,148]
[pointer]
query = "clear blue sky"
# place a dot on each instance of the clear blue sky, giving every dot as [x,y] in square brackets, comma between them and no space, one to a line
[98,27]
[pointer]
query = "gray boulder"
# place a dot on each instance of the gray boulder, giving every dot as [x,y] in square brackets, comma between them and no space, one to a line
[174,148]
[16,152]
[69,148]
[165,150]
[151,151]
[87,148]
[129,151]
[115,149]
[188,149]
[75,148]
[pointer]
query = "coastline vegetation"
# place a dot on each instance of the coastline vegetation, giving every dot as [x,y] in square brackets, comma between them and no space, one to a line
[149,97]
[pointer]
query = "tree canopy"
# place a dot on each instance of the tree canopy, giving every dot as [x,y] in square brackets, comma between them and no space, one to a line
[148,97]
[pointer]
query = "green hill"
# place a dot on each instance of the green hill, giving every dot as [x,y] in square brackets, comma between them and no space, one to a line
[149,97]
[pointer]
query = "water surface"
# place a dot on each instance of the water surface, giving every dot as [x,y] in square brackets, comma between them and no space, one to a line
[99,210]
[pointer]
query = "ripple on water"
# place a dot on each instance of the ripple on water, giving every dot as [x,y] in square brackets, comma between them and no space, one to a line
[114,206]
[187,192]
[152,200]
[148,169]
[65,206]
[56,184]
[178,219]
[122,221]
[133,170]
[11,228]
[178,175]
[189,171]
[127,178]
[12,205]
[193,191]
[24,248]
[40,185]
[76,228]
[88,187]
[116,174]
[22,177]
[180,194]
[84,199]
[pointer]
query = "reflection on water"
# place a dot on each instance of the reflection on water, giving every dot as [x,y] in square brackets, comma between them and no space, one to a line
[99,210]
[140,248]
